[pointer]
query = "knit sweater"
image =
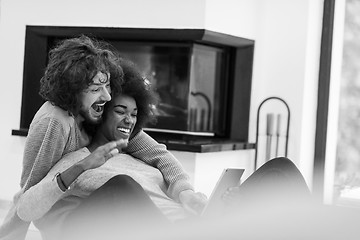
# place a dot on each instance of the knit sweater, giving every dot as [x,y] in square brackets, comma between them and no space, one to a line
[54,133]
[37,204]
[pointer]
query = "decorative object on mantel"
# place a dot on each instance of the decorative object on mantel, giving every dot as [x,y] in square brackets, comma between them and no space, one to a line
[278,135]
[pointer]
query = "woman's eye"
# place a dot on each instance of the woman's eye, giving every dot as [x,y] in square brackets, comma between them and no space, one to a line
[120,112]
[95,90]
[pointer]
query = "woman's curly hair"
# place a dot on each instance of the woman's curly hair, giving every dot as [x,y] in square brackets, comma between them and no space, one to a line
[137,86]
[73,63]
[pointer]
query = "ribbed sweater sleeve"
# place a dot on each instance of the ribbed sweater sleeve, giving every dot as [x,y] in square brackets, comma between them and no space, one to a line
[45,145]
[38,200]
[145,148]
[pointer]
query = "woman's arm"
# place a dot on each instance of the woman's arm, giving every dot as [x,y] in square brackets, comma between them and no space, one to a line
[145,148]
[97,158]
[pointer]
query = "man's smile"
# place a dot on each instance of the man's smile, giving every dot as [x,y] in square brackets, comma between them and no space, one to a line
[98,107]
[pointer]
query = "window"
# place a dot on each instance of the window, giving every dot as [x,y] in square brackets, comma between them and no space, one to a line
[342,162]
[347,166]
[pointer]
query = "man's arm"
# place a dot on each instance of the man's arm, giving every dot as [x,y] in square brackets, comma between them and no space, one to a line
[45,145]
[145,148]
[38,200]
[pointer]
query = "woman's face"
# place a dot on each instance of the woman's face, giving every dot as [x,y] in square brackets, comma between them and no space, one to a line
[121,117]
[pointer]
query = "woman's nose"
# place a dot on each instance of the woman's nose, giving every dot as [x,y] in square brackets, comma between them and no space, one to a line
[128,119]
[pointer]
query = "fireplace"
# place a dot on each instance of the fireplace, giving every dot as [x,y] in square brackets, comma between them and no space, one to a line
[203,78]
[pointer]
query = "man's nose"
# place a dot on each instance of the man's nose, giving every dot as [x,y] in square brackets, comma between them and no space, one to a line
[106,94]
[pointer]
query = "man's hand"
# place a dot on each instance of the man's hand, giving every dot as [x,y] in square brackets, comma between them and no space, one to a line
[193,202]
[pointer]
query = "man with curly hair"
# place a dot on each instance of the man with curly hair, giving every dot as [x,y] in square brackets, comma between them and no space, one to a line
[77,83]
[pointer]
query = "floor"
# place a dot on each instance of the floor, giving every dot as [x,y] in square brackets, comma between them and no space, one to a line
[33,233]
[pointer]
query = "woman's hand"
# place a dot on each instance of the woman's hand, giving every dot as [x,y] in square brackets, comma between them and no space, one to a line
[97,158]
[101,154]
[193,202]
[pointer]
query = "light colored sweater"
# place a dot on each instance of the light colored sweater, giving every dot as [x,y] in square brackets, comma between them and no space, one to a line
[54,133]
[41,202]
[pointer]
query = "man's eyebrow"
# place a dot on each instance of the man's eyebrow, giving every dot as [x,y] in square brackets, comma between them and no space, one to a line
[99,83]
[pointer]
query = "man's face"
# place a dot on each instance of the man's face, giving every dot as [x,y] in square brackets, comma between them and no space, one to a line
[94,98]
[121,117]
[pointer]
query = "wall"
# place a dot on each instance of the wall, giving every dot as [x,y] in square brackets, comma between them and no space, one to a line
[287,35]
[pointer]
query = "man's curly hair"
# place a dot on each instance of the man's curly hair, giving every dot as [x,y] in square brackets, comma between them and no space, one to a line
[137,86]
[73,63]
